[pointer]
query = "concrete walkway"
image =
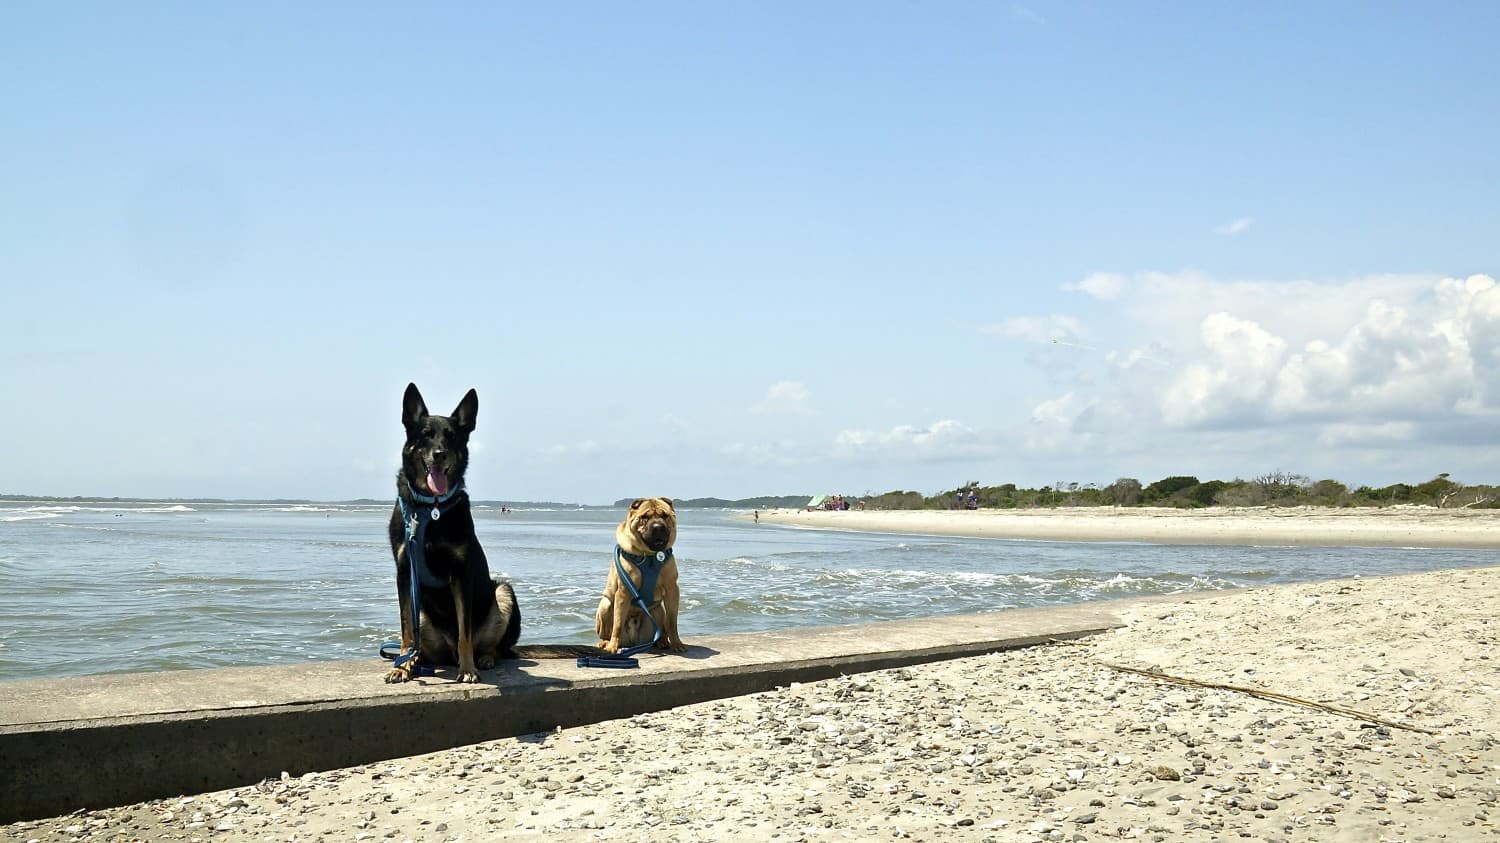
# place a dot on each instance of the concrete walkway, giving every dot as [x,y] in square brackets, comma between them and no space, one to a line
[99,741]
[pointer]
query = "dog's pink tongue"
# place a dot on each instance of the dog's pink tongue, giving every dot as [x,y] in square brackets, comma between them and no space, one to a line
[437,481]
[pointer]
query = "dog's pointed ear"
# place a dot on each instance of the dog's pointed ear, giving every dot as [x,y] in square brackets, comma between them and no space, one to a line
[467,412]
[413,408]
[668,502]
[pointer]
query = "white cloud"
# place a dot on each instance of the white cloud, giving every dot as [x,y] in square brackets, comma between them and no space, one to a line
[1474,321]
[1152,353]
[1242,357]
[1167,308]
[1391,363]
[1036,328]
[1105,286]
[1394,370]
[1234,227]
[784,398]
[942,441]
[1367,351]
[1058,425]
[1061,410]
[1394,364]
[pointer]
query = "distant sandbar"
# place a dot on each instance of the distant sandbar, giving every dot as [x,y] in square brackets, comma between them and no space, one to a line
[1401,526]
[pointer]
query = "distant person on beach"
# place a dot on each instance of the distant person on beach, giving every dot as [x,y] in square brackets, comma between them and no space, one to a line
[757,516]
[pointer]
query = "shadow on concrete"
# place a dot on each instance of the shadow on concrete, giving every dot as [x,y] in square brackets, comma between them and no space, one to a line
[693,652]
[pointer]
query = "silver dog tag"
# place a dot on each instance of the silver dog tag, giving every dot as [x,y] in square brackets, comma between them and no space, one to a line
[661,556]
[436,513]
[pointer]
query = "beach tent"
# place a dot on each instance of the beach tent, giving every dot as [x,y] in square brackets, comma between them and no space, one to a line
[817,501]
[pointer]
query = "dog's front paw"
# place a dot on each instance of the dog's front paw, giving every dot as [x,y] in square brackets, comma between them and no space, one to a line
[399,674]
[673,645]
[469,676]
[610,646]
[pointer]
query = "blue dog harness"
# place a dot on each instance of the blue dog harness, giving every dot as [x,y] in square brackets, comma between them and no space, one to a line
[415,519]
[650,568]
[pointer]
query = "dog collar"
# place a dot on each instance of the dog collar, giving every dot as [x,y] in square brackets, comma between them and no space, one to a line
[660,557]
[438,500]
[411,513]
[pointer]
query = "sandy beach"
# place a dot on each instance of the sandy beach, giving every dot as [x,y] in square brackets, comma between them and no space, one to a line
[1403,526]
[1050,743]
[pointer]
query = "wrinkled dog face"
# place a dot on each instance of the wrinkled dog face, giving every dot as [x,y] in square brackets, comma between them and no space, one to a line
[653,522]
[436,453]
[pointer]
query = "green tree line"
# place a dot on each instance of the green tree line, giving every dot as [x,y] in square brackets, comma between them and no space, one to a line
[1276,488]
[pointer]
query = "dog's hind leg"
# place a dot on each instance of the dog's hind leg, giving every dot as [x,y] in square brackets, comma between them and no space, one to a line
[490,639]
[507,619]
[622,612]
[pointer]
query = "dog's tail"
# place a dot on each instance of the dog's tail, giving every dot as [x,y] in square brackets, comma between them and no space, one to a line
[556,651]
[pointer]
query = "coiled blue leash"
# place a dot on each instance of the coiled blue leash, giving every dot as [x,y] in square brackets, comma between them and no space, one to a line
[650,568]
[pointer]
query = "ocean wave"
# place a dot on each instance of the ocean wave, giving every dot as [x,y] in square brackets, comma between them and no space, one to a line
[757,606]
[26,515]
[59,508]
[977,584]
[305,508]
[34,512]
[738,561]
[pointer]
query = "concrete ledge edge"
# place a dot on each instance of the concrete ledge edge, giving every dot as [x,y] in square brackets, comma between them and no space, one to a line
[198,731]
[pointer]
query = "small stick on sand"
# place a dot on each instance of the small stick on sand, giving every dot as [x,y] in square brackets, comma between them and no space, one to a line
[1270,695]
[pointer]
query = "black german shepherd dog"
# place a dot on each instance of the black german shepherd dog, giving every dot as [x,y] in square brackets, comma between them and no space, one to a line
[467,617]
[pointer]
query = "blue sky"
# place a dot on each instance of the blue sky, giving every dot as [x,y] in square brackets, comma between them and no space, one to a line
[732,250]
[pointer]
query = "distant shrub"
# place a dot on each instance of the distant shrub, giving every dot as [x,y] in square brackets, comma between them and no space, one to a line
[1125,491]
[1328,493]
[1279,487]
[895,500]
[1166,487]
[1203,494]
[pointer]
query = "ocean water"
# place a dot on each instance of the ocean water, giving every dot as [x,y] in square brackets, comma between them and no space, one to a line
[102,588]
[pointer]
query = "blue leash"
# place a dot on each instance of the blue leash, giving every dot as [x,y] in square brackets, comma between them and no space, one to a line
[416,554]
[650,568]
